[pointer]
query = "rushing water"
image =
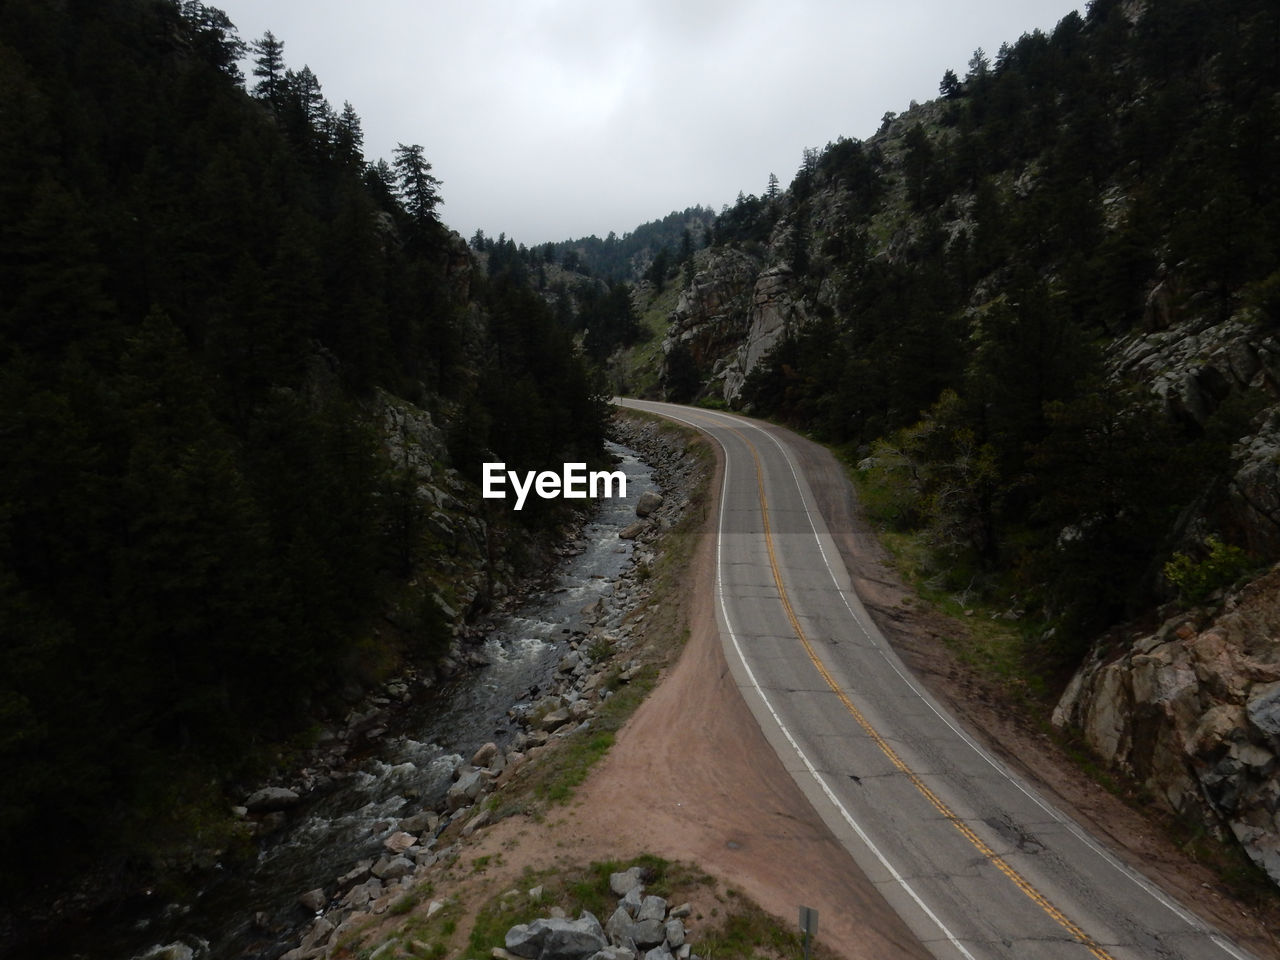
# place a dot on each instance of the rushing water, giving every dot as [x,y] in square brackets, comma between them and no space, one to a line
[251,913]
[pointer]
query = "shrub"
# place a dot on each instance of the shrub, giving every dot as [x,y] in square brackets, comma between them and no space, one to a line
[1197,580]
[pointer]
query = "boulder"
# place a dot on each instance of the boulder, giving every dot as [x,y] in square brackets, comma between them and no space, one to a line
[675,934]
[557,939]
[363,894]
[618,925]
[399,841]
[652,908]
[614,953]
[648,932]
[632,900]
[420,823]
[649,501]
[484,756]
[272,799]
[314,900]
[1263,708]
[389,869]
[554,719]
[465,790]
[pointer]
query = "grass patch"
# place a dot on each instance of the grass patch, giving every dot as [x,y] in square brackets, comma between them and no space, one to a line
[741,929]
[989,637]
[634,371]
[748,932]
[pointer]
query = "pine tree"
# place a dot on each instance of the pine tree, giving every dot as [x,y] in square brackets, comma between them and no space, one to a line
[348,138]
[268,66]
[950,85]
[773,190]
[418,188]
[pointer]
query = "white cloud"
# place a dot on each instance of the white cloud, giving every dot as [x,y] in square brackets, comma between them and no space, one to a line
[551,119]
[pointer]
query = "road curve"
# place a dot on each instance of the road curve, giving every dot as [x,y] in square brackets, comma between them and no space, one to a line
[976,863]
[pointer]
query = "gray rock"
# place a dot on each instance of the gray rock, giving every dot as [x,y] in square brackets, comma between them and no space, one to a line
[649,501]
[618,925]
[523,940]
[363,894]
[614,953]
[419,823]
[469,785]
[648,932]
[659,953]
[554,719]
[321,930]
[484,755]
[632,901]
[675,934]
[622,883]
[634,530]
[477,822]
[557,939]
[652,908]
[1264,708]
[271,799]
[314,900]
[399,841]
[390,869]
[357,874]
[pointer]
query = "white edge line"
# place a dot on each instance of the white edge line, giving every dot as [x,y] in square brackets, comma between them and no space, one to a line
[1075,829]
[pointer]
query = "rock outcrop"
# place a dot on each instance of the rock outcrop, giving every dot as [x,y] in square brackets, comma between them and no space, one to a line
[641,926]
[1194,368]
[713,314]
[731,316]
[1192,711]
[775,311]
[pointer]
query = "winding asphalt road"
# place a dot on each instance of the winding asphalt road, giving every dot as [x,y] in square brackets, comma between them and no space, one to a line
[973,860]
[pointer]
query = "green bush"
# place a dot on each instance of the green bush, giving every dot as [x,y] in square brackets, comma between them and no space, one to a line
[1197,580]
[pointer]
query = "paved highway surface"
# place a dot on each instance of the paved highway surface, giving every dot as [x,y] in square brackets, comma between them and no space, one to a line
[976,864]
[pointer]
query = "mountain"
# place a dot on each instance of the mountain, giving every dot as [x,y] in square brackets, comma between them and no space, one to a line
[1040,314]
[1010,275]
[247,379]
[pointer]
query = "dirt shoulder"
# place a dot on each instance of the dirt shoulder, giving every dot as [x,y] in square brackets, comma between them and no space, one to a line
[692,778]
[917,634]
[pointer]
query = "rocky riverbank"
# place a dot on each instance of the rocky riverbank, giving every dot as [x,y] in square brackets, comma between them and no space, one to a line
[599,661]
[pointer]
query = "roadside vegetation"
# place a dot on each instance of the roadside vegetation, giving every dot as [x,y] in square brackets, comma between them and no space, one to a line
[724,924]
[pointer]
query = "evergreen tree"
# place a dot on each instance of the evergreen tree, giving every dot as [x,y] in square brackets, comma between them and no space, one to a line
[949,88]
[269,68]
[418,189]
[348,140]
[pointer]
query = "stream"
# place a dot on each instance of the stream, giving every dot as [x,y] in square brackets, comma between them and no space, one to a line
[251,912]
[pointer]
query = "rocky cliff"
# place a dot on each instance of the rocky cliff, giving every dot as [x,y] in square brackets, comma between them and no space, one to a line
[1192,711]
[1196,366]
[1020,247]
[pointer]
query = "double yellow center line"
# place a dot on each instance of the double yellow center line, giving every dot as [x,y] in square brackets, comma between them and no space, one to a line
[965,830]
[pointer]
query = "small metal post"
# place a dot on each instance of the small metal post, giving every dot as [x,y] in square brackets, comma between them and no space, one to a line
[809,924]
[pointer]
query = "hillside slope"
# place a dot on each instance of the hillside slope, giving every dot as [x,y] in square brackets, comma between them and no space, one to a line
[1040,313]
[246,382]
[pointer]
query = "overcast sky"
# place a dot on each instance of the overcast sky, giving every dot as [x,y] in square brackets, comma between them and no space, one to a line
[556,119]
